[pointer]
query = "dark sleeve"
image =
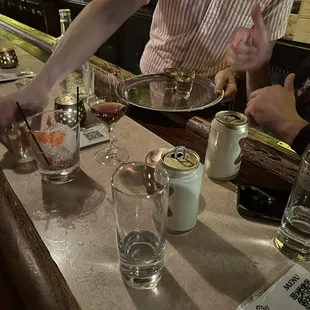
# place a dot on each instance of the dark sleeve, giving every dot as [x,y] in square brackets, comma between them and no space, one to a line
[302,140]
[302,73]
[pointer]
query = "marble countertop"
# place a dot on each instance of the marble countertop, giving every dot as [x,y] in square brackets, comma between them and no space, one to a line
[220,263]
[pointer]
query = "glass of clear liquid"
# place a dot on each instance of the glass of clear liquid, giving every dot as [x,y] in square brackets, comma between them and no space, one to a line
[293,239]
[184,83]
[170,79]
[17,134]
[55,141]
[140,198]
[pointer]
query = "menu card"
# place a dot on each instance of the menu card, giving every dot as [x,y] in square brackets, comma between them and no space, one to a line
[290,292]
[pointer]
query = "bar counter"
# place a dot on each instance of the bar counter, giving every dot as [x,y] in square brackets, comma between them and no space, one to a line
[219,264]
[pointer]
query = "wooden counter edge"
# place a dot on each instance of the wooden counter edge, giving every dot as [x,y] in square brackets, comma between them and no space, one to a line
[36,276]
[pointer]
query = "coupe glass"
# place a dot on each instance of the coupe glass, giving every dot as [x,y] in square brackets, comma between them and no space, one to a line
[106,106]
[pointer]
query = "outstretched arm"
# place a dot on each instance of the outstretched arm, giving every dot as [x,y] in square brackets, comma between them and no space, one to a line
[94,25]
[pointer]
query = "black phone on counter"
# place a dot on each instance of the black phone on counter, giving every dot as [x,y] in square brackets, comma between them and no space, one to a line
[261,204]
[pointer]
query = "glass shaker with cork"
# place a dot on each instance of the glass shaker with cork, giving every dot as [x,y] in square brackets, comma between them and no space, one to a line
[80,76]
[17,135]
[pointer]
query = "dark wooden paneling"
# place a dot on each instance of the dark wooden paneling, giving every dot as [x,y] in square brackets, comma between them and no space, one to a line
[29,12]
[287,58]
[2,7]
[110,49]
[51,16]
[134,35]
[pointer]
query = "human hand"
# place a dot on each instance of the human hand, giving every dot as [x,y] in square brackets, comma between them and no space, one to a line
[226,80]
[250,49]
[31,99]
[274,108]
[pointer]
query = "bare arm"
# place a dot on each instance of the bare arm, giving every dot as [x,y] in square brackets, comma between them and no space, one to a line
[94,25]
[258,79]
[274,23]
[261,77]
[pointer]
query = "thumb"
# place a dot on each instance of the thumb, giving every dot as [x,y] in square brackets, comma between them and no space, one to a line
[219,87]
[289,83]
[257,18]
[220,82]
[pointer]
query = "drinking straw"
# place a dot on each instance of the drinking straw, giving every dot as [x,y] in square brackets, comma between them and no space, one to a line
[32,135]
[77,103]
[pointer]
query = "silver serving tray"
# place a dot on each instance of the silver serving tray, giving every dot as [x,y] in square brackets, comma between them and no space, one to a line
[148,92]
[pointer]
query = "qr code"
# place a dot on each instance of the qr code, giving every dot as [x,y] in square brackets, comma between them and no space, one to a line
[302,294]
[93,135]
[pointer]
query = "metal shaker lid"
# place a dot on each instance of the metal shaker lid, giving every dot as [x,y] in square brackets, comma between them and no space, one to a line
[66,100]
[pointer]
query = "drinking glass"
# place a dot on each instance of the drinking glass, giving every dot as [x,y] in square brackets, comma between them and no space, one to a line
[184,82]
[170,79]
[140,199]
[78,78]
[56,145]
[17,134]
[293,239]
[106,106]
[19,143]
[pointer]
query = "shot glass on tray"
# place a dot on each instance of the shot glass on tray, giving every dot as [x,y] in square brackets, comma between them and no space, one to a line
[184,82]
[170,79]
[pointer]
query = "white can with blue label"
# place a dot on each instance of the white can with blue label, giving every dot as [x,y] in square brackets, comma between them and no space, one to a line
[185,175]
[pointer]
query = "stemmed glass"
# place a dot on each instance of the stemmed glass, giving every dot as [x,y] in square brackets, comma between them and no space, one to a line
[105,105]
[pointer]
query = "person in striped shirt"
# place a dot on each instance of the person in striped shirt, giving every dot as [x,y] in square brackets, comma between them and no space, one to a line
[188,33]
[194,34]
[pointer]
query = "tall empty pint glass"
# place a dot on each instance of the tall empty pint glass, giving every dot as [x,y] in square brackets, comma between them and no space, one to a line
[140,198]
[293,238]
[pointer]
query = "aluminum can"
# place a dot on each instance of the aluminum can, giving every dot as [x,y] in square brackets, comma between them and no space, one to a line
[185,178]
[228,133]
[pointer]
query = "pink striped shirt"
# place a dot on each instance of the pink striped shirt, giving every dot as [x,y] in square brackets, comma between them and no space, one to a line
[194,33]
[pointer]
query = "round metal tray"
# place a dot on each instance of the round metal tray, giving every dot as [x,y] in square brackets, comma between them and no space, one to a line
[148,92]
